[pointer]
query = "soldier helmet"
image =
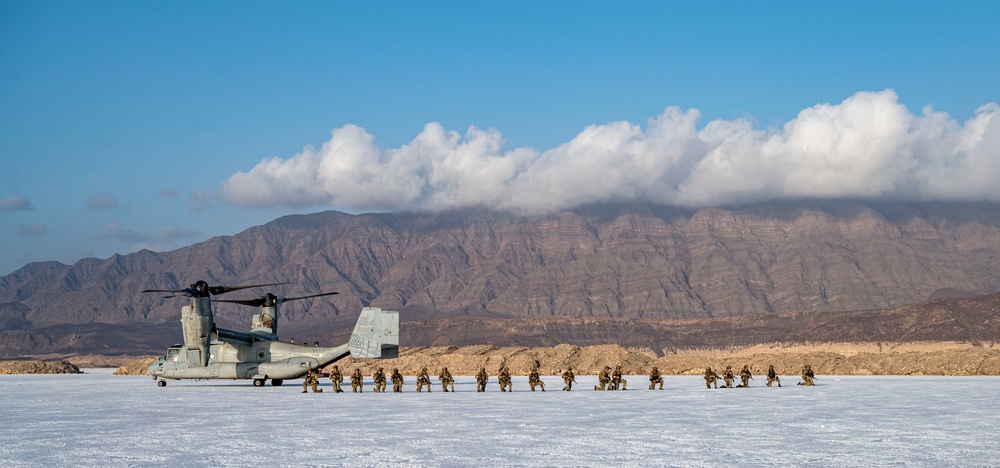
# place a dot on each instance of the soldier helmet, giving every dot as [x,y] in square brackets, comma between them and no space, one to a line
[395,369]
[379,368]
[335,366]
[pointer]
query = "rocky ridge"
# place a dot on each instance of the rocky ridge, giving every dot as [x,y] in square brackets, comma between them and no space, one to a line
[38,367]
[934,359]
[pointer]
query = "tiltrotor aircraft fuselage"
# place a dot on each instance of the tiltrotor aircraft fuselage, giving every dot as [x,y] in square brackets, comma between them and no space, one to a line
[210,352]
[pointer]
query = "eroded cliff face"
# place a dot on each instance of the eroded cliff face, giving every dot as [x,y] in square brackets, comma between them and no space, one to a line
[616,262]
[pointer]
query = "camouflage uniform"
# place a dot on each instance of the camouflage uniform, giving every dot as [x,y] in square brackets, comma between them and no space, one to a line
[655,378]
[535,379]
[336,377]
[505,381]
[772,376]
[357,381]
[446,380]
[728,376]
[710,378]
[397,381]
[807,377]
[481,378]
[568,379]
[617,380]
[745,376]
[603,378]
[423,379]
[379,378]
[311,381]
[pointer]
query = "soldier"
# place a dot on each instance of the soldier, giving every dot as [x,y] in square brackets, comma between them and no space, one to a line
[311,381]
[617,380]
[423,379]
[379,378]
[505,381]
[397,381]
[745,376]
[772,376]
[357,381]
[728,376]
[568,379]
[446,380]
[807,376]
[481,378]
[655,378]
[535,379]
[710,378]
[337,378]
[603,378]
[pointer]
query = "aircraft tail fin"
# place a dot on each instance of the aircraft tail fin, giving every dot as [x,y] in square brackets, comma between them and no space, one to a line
[376,335]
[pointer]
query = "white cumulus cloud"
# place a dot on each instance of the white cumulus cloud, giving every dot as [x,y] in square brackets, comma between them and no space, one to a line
[867,146]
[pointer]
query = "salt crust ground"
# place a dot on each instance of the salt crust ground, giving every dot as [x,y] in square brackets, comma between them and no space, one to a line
[96,419]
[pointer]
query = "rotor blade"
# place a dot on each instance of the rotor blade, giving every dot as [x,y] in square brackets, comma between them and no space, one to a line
[286,299]
[250,302]
[176,295]
[216,290]
[166,290]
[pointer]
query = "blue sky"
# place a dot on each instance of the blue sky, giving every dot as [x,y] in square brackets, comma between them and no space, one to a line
[127,125]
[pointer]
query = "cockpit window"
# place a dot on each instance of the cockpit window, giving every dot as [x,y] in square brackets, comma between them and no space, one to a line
[172,354]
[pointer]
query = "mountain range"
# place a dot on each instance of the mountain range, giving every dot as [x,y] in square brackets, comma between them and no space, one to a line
[634,262]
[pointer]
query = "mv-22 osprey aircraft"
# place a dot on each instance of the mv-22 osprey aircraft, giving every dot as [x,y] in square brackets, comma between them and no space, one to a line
[210,352]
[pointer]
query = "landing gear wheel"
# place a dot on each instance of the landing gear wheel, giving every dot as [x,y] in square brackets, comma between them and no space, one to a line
[277,382]
[161,383]
[258,382]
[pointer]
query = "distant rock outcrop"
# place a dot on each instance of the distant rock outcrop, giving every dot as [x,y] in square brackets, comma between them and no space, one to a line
[38,367]
[590,360]
[137,366]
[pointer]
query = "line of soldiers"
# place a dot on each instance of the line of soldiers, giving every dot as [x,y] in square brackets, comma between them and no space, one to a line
[606,380]
[614,381]
[746,376]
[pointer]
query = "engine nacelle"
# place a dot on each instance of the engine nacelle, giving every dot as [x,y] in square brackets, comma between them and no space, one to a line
[197,322]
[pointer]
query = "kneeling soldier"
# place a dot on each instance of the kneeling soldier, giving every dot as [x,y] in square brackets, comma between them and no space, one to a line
[505,380]
[728,376]
[772,376]
[357,381]
[337,378]
[710,378]
[807,376]
[311,380]
[603,378]
[446,380]
[397,381]
[568,379]
[655,378]
[423,379]
[379,378]
[481,378]
[745,376]
[535,379]
[617,380]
